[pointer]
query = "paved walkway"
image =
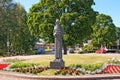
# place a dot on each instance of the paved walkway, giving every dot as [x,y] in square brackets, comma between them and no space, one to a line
[22,57]
[18,76]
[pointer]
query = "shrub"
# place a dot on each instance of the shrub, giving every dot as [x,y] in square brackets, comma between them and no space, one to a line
[63,72]
[89,48]
[31,52]
[21,64]
[79,65]
[92,67]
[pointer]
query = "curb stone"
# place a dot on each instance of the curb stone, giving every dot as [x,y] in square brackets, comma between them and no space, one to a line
[16,76]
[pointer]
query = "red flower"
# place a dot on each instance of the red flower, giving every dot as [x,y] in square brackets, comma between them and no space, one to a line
[77,72]
[2,66]
[70,72]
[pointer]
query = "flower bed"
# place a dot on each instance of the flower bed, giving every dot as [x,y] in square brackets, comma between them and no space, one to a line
[32,70]
[113,66]
[3,65]
[105,69]
[26,68]
[110,69]
[67,71]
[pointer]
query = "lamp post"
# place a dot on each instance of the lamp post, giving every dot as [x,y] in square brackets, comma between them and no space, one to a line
[118,44]
[118,40]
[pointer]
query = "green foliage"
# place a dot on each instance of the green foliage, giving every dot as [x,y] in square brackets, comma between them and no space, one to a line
[89,48]
[5,21]
[76,18]
[78,65]
[21,64]
[92,67]
[19,42]
[103,29]
[76,70]
[13,25]
[31,52]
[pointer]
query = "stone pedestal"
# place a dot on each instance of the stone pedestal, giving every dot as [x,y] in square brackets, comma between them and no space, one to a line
[56,64]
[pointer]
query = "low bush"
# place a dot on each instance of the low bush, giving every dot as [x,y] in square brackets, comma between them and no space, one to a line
[31,52]
[89,48]
[21,64]
[92,67]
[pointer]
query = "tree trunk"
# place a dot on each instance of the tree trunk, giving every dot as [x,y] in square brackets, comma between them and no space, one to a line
[65,50]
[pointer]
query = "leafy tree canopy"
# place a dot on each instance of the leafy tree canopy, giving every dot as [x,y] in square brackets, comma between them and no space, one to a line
[76,18]
[14,32]
[104,31]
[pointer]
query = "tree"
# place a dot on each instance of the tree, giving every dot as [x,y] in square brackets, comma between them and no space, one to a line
[5,20]
[14,29]
[76,18]
[19,42]
[104,31]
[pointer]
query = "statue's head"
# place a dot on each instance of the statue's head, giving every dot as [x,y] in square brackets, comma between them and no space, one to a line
[57,21]
[58,28]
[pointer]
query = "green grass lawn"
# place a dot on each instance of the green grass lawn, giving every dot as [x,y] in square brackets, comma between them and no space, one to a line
[71,59]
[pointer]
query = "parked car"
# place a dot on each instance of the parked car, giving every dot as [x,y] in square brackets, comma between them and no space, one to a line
[71,50]
[103,51]
[40,51]
[53,49]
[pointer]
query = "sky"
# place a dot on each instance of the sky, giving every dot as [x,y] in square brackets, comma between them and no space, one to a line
[108,7]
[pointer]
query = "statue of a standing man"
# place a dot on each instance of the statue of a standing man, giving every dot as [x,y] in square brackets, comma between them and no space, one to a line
[58,34]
